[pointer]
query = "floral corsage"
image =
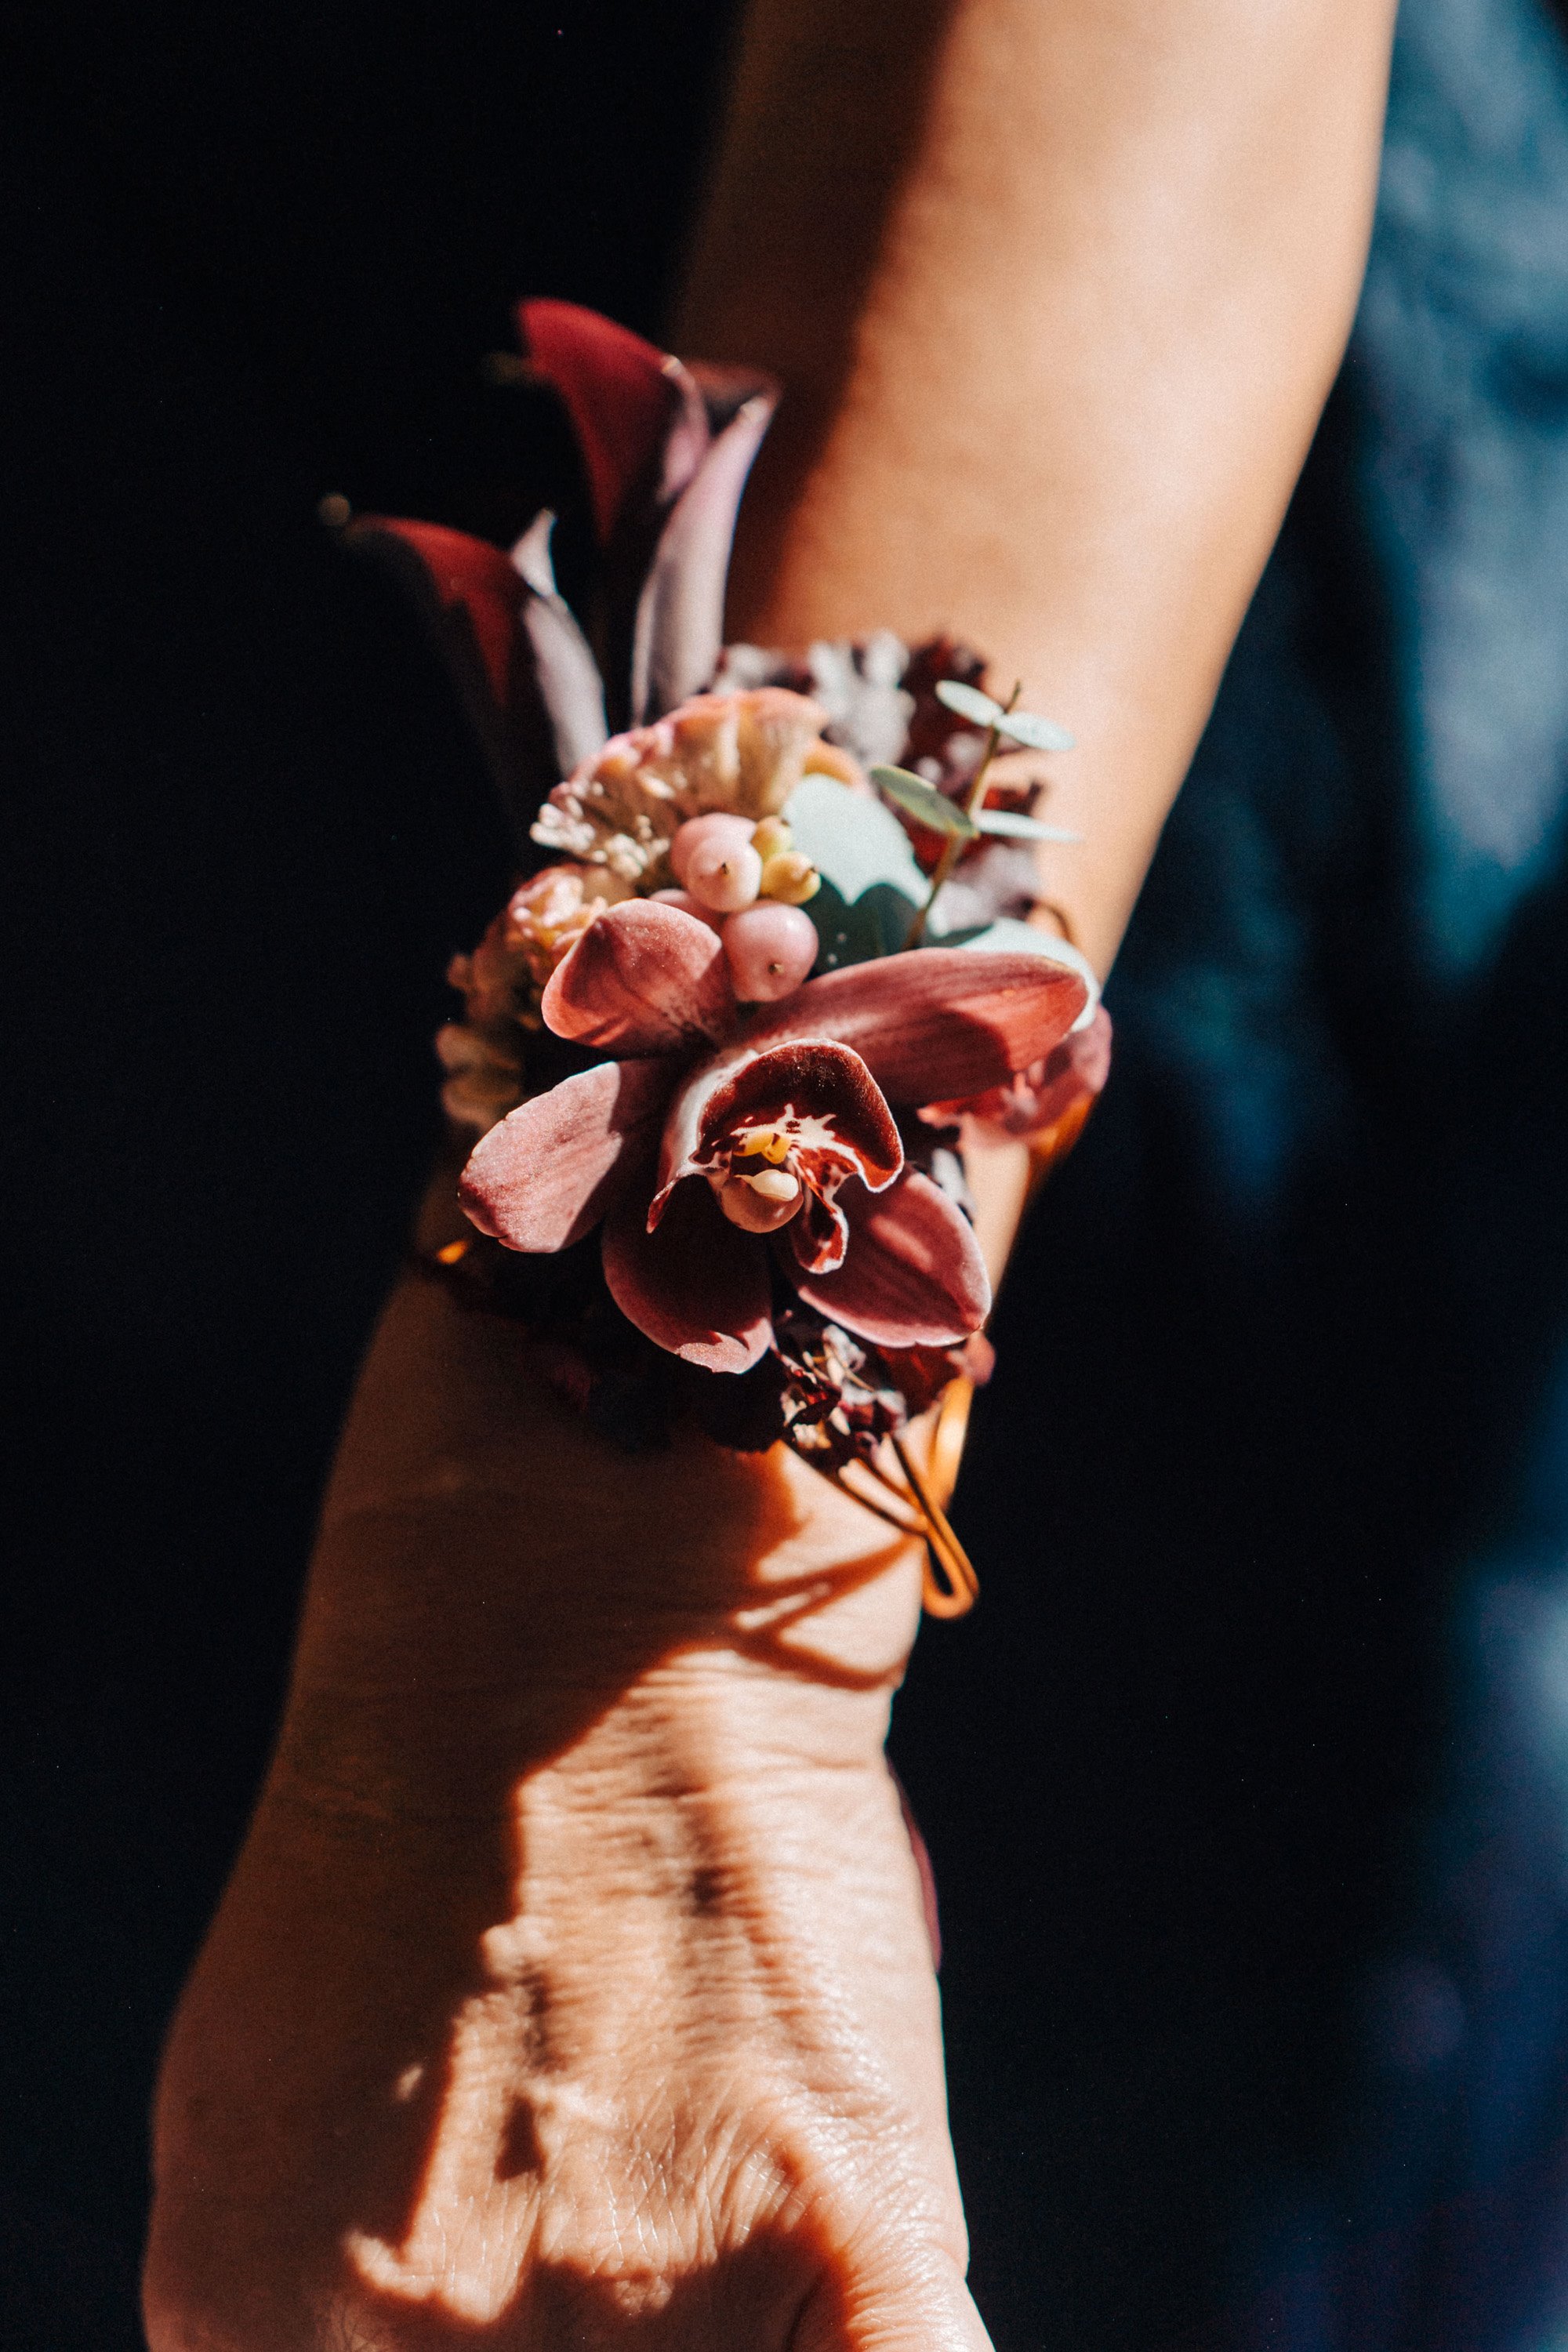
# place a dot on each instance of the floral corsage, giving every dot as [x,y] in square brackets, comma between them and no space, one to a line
[770,956]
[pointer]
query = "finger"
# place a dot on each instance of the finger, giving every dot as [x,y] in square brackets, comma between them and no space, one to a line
[893,2294]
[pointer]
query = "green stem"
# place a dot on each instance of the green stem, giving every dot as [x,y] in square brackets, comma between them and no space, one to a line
[972,809]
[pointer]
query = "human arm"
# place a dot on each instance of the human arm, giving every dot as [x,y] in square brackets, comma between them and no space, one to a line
[573,1984]
[1057,290]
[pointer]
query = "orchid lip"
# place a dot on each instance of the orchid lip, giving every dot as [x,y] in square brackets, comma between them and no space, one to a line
[761,1203]
[808,1105]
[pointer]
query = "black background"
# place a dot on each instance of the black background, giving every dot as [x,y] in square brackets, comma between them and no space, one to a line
[254,255]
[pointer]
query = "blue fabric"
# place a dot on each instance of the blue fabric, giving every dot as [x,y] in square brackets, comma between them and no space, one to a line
[1280,1822]
[1462,354]
[1392,951]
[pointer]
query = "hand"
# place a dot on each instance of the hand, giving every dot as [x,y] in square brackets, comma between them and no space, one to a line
[573,1988]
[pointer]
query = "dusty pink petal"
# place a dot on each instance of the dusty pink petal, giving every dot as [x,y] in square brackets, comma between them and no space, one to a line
[815,1078]
[644,979]
[697,1286]
[913,1275]
[544,1176]
[1048,1092]
[937,1023]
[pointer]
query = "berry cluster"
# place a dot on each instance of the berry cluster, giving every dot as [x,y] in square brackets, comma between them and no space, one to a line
[747,884]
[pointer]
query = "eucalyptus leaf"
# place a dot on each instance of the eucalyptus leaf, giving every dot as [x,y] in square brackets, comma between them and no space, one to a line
[1039,734]
[852,839]
[968,701]
[924,802]
[1018,726]
[1007,826]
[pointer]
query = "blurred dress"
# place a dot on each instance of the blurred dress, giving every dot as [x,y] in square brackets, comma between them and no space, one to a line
[1255,1888]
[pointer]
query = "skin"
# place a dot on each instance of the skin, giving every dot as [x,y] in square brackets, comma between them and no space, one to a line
[573,1987]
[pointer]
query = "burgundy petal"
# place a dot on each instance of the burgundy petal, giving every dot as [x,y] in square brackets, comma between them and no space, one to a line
[543,1178]
[938,1023]
[620,393]
[644,979]
[464,576]
[519,661]
[819,1235]
[699,1286]
[913,1276]
[815,1077]
[471,599]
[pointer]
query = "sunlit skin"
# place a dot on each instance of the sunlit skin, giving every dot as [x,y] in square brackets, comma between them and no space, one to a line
[573,1988]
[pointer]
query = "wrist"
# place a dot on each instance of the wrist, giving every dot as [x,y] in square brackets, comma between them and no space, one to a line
[491,1581]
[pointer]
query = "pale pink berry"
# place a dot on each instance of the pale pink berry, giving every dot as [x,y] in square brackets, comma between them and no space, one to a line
[771,949]
[735,832]
[724,880]
[688,906]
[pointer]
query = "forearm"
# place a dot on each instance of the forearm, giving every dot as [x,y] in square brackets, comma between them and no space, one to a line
[1057,290]
[492,1577]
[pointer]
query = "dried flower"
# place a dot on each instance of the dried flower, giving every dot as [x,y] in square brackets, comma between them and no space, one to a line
[858,684]
[538,926]
[484,1074]
[832,1411]
[742,754]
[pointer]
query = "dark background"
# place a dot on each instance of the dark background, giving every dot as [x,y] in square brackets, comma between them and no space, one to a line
[254,255]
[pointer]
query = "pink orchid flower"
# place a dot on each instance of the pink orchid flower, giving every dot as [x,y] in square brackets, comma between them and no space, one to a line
[717,1136]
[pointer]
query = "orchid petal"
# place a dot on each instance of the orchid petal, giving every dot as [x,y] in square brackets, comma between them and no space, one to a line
[814,1076]
[543,1178]
[644,979]
[1075,1072]
[819,1236]
[912,1277]
[1047,1103]
[1006,935]
[920,1019]
[698,1286]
